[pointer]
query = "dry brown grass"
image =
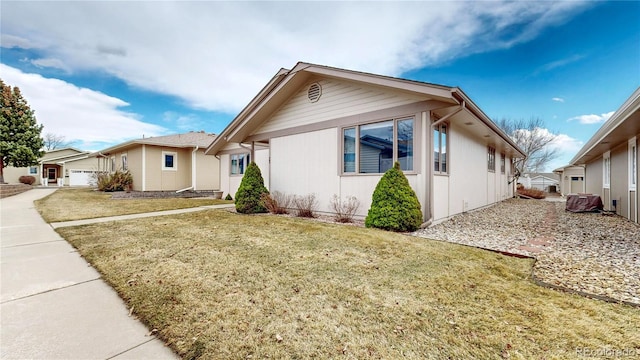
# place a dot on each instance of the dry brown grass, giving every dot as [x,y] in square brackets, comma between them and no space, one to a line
[76,204]
[222,285]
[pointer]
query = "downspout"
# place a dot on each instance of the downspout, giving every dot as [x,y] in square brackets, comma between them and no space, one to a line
[429,165]
[194,170]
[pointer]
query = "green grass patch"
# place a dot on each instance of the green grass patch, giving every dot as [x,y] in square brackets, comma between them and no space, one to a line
[222,285]
[76,204]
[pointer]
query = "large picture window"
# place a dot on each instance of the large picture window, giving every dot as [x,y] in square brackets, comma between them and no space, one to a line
[440,160]
[378,146]
[239,163]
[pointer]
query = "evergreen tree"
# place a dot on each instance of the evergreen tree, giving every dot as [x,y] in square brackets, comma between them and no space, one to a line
[394,204]
[248,196]
[20,141]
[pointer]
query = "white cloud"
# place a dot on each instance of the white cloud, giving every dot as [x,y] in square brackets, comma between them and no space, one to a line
[84,116]
[217,55]
[51,63]
[558,99]
[592,118]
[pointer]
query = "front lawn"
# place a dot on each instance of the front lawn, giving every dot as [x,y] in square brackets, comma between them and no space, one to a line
[221,285]
[76,204]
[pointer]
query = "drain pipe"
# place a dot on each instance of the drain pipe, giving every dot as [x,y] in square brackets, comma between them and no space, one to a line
[429,221]
[194,167]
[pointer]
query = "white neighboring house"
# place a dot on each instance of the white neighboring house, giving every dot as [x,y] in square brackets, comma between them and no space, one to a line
[67,166]
[323,130]
[571,179]
[548,182]
[610,160]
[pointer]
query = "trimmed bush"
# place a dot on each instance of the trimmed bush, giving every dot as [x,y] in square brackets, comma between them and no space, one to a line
[27,179]
[394,204]
[228,197]
[248,196]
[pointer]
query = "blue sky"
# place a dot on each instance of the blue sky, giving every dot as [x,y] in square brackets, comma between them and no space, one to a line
[100,74]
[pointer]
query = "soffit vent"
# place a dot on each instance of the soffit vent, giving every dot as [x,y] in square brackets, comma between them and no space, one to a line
[314,92]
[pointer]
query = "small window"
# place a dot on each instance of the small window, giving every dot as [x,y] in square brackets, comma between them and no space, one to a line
[349,150]
[113,163]
[169,160]
[33,170]
[502,163]
[239,163]
[440,149]
[125,166]
[491,159]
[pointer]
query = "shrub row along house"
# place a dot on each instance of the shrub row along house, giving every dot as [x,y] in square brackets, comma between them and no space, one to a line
[323,130]
[610,160]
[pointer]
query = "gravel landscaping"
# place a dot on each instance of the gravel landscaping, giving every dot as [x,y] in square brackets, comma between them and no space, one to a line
[589,253]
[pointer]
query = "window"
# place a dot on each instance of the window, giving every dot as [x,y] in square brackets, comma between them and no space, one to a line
[379,145]
[239,163]
[124,162]
[491,158]
[502,163]
[606,171]
[113,163]
[33,170]
[633,164]
[440,149]
[169,160]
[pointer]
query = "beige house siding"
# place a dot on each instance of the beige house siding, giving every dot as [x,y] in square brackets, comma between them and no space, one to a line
[569,186]
[619,180]
[159,179]
[134,162]
[339,99]
[593,177]
[207,172]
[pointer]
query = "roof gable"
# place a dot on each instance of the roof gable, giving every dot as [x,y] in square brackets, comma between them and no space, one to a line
[186,140]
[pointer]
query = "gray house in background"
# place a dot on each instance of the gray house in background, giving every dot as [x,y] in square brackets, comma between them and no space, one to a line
[610,160]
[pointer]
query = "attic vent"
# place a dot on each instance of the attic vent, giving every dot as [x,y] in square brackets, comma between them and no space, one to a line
[314,92]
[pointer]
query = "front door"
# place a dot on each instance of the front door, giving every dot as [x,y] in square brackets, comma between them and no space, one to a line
[52,174]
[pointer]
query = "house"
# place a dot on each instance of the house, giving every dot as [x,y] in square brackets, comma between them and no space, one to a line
[323,130]
[66,166]
[571,179]
[165,163]
[547,182]
[610,160]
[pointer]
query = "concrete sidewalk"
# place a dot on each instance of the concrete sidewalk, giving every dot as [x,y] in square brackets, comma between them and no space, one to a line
[53,304]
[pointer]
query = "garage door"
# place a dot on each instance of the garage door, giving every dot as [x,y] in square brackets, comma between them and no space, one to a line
[82,177]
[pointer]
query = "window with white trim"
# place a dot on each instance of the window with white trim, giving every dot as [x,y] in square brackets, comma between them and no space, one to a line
[502,163]
[606,170]
[33,170]
[440,160]
[125,166]
[378,146]
[239,163]
[113,163]
[491,159]
[633,164]
[169,160]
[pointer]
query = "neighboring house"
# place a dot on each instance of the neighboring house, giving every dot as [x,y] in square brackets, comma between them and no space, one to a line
[548,182]
[67,166]
[165,163]
[322,130]
[571,179]
[610,160]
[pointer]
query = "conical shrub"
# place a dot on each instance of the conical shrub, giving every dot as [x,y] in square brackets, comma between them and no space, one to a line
[248,196]
[394,204]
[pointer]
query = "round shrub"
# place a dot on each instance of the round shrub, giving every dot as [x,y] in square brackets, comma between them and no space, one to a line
[248,196]
[27,179]
[394,205]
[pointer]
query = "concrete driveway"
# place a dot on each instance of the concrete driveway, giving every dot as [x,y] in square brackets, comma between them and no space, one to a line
[54,305]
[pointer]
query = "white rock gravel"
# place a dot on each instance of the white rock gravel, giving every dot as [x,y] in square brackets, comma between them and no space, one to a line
[586,252]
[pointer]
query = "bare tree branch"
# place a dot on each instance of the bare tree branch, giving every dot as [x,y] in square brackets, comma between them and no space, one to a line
[534,139]
[53,142]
